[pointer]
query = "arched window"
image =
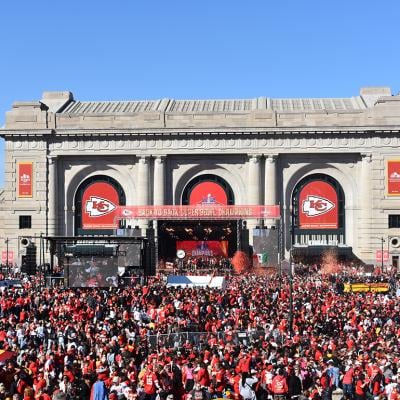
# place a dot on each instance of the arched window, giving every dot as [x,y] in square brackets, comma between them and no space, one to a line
[95,203]
[318,211]
[208,189]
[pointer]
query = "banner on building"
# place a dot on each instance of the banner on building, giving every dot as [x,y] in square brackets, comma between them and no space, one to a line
[204,248]
[201,211]
[5,255]
[393,177]
[208,193]
[25,179]
[318,206]
[100,202]
[381,256]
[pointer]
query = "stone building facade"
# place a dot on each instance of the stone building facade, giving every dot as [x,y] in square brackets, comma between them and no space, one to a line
[262,148]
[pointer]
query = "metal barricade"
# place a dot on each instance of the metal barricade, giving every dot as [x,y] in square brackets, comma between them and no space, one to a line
[130,281]
[177,340]
[54,281]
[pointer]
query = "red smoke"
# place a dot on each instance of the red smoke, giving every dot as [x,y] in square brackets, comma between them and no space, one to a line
[241,262]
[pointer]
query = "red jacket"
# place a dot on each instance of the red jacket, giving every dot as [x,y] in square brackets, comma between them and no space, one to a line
[279,385]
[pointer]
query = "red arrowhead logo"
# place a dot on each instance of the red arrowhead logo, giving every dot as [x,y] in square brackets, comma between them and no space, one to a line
[314,205]
[97,206]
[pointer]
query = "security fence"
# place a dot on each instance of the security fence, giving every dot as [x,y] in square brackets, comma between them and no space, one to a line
[60,281]
[178,340]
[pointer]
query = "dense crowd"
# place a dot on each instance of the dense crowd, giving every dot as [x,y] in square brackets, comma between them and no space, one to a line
[253,341]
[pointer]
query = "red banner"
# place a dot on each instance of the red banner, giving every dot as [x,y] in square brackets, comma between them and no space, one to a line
[208,193]
[318,206]
[393,178]
[381,256]
[196,212]
[25,179]
[4,256]
[203,248]
[100,203]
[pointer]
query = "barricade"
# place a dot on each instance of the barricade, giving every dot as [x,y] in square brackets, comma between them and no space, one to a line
[178,340]
[54,281]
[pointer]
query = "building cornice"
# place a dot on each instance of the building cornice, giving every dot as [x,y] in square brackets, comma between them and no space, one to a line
[375,130]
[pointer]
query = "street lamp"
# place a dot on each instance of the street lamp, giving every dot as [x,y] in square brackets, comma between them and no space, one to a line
[382,241]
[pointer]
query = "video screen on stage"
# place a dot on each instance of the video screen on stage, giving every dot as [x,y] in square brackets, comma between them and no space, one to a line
[204,248]
[265,247]
[92,271]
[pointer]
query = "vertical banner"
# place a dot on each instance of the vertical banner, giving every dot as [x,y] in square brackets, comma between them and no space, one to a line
[393,177]
[99,204]
[318,206]
[10,255]
[25,179]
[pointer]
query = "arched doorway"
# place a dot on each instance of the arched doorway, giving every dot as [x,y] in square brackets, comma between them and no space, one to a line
[95,201]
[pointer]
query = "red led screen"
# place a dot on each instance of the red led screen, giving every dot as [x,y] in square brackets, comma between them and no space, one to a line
[318,206]
[208,193]
[99,205]
[203,248]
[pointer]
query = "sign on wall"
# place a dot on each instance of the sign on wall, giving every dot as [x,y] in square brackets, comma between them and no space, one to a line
[393,177]
[100,202]
[201,211]
[318,206]
[25,179]
[208,193]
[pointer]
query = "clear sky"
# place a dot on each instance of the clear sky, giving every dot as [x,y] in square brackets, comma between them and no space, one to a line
[185,49]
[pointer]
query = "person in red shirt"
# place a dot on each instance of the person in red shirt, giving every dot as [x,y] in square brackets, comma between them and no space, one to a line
[279,386]
[348,388]
[150,383]
[202,376]
[361,387]
[219,380]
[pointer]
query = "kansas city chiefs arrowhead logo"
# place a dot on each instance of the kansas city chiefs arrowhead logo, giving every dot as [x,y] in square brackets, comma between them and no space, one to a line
[315,205]
[97,206]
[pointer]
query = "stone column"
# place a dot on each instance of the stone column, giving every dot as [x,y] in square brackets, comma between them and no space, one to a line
[270,191]
[52,196]
[253,194]
[159,181]
[254,180]
[143,187]
[364,230]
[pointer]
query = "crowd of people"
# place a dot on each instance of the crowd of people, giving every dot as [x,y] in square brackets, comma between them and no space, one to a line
[261,337]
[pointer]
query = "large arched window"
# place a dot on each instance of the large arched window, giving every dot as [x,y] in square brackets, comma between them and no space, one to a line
[318,211]
[95,203]
[208,189]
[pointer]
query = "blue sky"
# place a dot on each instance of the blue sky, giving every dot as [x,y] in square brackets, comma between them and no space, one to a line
[132,50]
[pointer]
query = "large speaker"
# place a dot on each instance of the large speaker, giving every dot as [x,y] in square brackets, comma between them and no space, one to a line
[149,256]
[29,264]
[130,255]
[244,238]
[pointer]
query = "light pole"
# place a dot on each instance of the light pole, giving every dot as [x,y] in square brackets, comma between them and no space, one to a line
[382,241]
[291,273]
